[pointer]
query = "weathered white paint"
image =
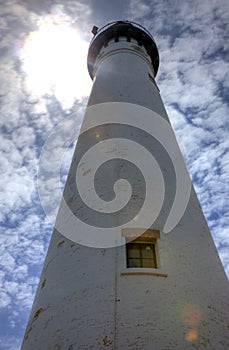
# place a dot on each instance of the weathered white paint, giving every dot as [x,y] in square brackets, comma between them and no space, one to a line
[85,299]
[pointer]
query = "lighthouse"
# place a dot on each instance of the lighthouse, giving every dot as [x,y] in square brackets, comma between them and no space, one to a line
[131,263]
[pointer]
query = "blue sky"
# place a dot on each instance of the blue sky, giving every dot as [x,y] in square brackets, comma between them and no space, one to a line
[192,38]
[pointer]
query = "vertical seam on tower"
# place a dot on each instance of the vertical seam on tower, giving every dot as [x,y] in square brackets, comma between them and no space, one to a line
[115,299]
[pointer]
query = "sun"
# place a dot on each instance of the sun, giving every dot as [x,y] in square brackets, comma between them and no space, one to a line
[54,61]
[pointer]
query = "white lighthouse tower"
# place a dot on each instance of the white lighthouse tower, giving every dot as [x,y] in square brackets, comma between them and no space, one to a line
[131,262]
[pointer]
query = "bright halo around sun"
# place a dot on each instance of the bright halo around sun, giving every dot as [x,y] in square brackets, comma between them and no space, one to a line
[55,62]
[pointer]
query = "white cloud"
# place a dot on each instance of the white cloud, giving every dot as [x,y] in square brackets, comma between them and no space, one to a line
[138,9]
[10,343]
[5,299]
[7,262]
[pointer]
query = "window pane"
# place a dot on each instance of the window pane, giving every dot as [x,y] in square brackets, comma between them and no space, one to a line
[147,250]
[133,250]
[148,263]
[134,263]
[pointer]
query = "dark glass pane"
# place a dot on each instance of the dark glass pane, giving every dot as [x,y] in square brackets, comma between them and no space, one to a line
[148,263]
[134,263]
[147,251]
[133,250]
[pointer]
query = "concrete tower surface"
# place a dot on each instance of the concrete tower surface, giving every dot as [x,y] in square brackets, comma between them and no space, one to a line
[131,262]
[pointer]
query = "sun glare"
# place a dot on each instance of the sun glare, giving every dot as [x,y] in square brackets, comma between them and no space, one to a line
[54,61]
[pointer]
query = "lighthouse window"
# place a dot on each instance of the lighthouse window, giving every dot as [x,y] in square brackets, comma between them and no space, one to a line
[140,254]
[141,247]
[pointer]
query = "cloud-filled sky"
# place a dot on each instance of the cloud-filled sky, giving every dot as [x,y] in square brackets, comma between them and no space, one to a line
[192,38]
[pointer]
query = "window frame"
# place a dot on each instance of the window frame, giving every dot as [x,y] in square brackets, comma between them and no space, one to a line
[142,236]
[141,259]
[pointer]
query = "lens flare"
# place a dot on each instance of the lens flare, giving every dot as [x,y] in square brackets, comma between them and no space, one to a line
[192,334]
[54,60]
[191,316]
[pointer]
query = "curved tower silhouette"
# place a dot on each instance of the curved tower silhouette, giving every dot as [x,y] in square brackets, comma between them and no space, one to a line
[131,262]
